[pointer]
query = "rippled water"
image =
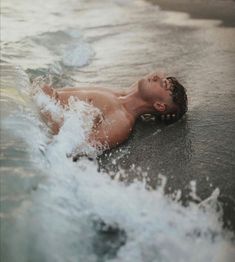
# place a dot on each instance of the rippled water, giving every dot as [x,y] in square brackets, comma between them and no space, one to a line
[55,210]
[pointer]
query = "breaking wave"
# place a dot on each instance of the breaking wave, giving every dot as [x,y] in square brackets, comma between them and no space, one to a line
[78,213]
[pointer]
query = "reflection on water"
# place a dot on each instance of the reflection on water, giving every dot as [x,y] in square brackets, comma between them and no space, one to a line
[55,210]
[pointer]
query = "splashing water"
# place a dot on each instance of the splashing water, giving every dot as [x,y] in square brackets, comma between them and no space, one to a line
[53,209]
[80,214]
[77,118]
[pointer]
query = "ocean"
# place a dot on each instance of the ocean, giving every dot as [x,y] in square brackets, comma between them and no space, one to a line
[167,194]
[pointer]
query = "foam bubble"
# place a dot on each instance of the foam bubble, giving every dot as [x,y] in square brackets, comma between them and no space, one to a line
[76,196]
[77,55]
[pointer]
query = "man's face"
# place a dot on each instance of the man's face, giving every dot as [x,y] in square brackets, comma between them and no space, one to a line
[156,87]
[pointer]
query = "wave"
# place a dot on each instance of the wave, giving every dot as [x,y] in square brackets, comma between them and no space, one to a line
[78,213]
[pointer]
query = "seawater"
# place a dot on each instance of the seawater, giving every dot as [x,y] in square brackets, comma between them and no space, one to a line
[54,209]
[74,206]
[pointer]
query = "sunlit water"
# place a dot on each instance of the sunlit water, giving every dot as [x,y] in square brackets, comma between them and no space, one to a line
[53,209]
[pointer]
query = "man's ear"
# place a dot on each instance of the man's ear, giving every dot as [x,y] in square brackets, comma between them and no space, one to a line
[160,107]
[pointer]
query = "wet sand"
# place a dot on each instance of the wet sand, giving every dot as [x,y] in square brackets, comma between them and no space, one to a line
[218,9]
[200,147]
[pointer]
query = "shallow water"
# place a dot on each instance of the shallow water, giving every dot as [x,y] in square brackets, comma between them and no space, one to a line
[55,210]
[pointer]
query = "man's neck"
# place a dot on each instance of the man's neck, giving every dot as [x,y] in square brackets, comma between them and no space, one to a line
[134,103]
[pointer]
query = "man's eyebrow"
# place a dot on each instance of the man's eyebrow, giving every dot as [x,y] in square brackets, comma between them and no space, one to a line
[171,83]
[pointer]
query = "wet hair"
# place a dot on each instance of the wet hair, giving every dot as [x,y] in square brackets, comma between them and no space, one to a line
[179,98]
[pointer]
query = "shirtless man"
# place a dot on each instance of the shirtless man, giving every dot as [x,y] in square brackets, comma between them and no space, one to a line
[152,94]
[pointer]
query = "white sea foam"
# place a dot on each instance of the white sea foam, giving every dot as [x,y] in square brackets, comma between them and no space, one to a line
[57,225]
[156,227]
[77,55]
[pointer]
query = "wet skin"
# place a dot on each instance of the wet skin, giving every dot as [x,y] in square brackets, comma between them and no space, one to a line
[119,110]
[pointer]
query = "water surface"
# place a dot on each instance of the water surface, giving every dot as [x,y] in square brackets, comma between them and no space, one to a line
[55,210]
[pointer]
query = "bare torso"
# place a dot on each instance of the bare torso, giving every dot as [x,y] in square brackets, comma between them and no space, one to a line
[115,124]
[119,110]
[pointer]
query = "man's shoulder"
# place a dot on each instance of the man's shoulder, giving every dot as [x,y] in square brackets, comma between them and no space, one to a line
[122,119]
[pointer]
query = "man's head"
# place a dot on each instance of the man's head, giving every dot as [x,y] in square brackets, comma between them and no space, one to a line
[167,96]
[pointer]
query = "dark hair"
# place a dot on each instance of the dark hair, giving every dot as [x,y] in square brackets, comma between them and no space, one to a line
[179,97]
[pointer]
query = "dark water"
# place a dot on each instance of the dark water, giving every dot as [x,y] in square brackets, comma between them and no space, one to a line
[55,210]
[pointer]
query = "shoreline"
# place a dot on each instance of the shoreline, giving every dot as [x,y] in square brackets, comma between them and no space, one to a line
[198,9]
